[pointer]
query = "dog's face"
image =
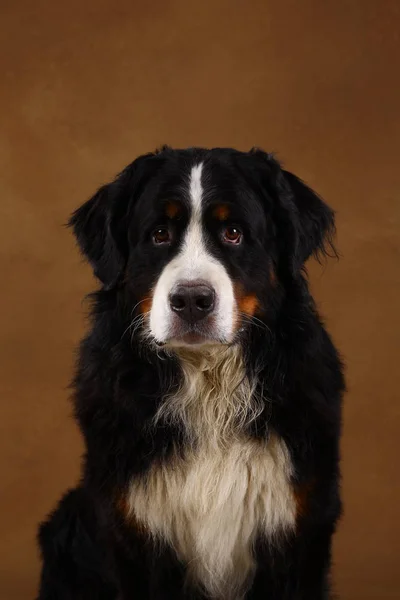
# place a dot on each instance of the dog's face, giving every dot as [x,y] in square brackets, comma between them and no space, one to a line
[205,242]
[201,239]
[193,299]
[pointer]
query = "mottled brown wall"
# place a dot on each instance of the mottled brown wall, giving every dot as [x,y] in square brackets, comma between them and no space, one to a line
[85,87]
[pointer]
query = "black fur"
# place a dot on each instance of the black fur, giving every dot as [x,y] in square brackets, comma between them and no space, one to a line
[89,551]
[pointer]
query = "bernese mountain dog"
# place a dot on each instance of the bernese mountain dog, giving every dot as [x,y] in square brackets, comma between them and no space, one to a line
[207,390]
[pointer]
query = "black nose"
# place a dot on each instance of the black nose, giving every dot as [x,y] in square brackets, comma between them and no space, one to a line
[192,301]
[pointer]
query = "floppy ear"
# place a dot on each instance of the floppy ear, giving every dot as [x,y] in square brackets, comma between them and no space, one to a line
[305,224]
[314,222]
[100,225]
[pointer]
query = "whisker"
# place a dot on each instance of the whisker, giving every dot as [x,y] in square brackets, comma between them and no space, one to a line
[140,302]
[136,321]
[255,321]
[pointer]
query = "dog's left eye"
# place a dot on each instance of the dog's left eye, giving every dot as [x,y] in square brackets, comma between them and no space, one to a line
[162,235]
[232,235]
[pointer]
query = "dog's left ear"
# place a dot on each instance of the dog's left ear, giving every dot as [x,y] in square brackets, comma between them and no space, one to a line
[100,225]
[314,222]
[305,224]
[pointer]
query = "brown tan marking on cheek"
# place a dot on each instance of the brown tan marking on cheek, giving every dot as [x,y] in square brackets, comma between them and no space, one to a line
[221,212]
[172,209]
[144,306]
[248,304]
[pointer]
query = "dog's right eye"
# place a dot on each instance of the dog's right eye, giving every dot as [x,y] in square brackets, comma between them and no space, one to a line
[232,235]
[162,235]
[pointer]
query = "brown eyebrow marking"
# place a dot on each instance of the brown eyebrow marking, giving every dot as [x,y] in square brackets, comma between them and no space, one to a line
[221,212]
[172,209]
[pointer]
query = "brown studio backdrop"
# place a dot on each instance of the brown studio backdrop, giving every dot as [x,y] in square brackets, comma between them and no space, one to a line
[85,87]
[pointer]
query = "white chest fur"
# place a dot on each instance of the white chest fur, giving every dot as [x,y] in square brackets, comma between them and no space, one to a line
[212,502]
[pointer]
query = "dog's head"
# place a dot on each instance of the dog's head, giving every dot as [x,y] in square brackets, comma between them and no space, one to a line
[202,240]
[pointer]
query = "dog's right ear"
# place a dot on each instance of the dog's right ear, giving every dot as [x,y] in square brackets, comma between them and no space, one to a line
[100,225]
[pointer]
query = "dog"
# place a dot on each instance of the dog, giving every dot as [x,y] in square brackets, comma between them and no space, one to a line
[207,390]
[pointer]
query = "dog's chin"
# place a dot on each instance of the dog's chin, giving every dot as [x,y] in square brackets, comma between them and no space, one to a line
[191,338]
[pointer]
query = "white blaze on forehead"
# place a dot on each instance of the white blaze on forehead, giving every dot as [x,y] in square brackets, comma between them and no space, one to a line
[194,262]
[196,189]
[194,259]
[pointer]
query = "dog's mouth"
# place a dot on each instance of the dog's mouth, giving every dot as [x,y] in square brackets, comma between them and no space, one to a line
[199,335]
[193,335]
[194,338]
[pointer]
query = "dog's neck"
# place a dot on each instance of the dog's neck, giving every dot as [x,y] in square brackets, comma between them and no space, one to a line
[215,399]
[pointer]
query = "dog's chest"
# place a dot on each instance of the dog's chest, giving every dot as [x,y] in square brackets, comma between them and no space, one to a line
[212,500]
[211,504]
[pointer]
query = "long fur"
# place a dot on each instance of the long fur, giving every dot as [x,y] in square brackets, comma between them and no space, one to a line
[217,376]
[212,473]
[210,502]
